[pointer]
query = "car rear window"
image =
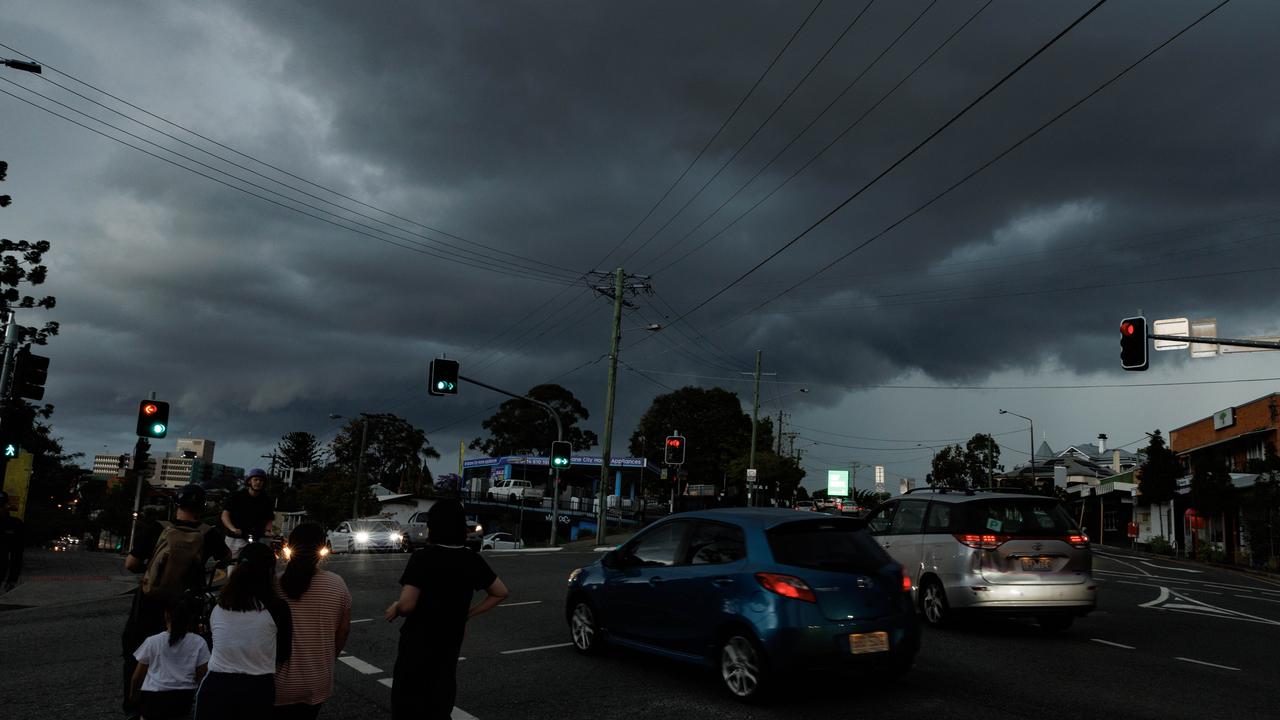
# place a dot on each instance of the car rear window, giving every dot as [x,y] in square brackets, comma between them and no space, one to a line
[829,544]
[1029,517]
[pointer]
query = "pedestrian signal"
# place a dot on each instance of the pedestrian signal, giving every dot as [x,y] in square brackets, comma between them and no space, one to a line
[675,450]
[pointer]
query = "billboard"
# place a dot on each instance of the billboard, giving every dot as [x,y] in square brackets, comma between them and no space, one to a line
[837,483]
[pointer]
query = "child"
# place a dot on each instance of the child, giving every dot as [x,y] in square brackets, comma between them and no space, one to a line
[170,665]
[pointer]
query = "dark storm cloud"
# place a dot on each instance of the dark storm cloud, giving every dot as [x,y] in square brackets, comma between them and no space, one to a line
[547,130]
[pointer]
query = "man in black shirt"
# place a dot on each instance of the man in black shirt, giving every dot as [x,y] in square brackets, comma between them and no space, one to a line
[436,592]
[146,615]
[13,538]
[248,513]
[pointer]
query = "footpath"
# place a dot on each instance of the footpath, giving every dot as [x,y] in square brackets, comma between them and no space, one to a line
[68,578]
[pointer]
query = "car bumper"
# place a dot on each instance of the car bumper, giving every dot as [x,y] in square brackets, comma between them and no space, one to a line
[1078,598]
[828,645]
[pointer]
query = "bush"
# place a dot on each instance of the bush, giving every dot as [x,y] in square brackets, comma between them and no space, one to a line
[1160,546]
[1208,552]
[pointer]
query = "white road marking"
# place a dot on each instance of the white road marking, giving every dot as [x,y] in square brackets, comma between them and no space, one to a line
[1113,644]
[1167,567]
[1201,662]
[457,714]
[1116,559]
[526,602]
[353,622]
[1250,597]
[359,665]
[531,649]
[1164,595]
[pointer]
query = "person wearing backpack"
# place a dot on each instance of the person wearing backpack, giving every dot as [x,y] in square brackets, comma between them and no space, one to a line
[171,558]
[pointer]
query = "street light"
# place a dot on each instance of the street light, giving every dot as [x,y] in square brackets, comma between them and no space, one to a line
[1032,427]
[364,438]
[23,65]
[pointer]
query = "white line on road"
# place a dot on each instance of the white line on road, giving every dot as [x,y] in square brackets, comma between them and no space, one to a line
[1113,644]
[531,649]
[1167,567]
[457,714]
[1250,597]
[526,602]
[353,622]
[359,665]
[1201,662]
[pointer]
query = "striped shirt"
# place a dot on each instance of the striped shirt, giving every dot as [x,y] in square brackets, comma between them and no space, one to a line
[308,676]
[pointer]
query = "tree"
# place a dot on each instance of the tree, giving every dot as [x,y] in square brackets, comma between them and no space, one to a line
[717,429]
[1158,476]
[1261,513]
[328,499]
[949,468]
[981,454]
[520,426]
[395,451]
[779,475]
[299,450]
[1212,493]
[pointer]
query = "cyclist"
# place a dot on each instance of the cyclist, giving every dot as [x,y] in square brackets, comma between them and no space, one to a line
[146,614]
[248,513]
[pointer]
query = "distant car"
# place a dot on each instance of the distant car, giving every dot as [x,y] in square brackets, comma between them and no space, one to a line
[806,505]
[367,535]
[501,541]
[750,593]
[992,552]
[415,531]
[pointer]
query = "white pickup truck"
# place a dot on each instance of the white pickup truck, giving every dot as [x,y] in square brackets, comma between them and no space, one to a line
[521,491]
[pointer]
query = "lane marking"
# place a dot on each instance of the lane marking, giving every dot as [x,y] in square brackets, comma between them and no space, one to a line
[1250,597]
[1164,595]
[1224,586]
[1167,567]
[1113,644]
[1117,560]
[359,665]
[353,622]
[386,681]
[1209,664]
[457,714]
[527,602]
[532,649]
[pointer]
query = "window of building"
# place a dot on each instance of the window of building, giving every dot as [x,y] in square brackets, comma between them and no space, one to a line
[1110,520]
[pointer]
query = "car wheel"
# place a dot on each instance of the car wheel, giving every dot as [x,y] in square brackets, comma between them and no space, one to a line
[584,628]
[1055,623]
[515,498]
[351,547]
[743,669]
[933,603]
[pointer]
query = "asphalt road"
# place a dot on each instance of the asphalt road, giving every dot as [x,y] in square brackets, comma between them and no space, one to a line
[1170,640]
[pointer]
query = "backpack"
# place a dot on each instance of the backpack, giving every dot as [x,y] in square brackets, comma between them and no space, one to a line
[177,564]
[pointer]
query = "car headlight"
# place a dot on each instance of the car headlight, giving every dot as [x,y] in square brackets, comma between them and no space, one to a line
[287,552]
[574,575]
[479,528]
[396,537]
[362,537]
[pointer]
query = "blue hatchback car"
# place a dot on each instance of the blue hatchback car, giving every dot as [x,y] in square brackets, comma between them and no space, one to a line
[751,593]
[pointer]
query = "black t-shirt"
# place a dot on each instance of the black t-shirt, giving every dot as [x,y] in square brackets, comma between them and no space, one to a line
[249,513]
[447,578]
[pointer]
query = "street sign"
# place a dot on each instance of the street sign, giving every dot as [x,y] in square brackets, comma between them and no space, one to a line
[1171,326]
[837,483]
[1207,327]
[751,473]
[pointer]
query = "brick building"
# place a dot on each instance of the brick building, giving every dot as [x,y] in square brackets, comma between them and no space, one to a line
[1232,436]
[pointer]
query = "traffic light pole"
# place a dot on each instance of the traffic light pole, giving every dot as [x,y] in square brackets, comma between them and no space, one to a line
[10,347]
[554,472]
[1235,342]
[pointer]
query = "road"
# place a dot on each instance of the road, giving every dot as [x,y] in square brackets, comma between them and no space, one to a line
[1169,640]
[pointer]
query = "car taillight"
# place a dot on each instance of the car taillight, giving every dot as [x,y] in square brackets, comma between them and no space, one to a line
[906,583]
[786,586]
[982,542]
[1079,541]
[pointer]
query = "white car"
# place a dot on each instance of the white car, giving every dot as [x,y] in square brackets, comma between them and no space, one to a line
[501,541]
[367,535]
[805,505]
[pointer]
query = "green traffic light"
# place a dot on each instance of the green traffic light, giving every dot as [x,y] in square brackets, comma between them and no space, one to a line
[158,429]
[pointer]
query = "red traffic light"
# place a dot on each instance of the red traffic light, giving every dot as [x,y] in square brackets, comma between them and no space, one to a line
[674,442]
[150,409]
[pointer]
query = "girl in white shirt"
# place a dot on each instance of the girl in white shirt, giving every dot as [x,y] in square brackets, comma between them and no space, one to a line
[170,665]
[252,633]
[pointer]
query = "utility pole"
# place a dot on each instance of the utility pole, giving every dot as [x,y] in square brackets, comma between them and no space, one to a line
[364,438]
[614,292]
[755,422]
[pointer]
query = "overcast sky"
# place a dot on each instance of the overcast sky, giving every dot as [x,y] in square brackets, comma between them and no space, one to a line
[494,153]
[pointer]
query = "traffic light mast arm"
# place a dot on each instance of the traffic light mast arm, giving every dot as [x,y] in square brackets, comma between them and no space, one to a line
[1237,342]
[550,410]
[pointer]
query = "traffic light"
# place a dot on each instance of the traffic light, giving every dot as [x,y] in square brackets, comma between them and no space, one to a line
[561,454]
[443,377]
[153,419]
[1133,343]
[675,450]
[29,375]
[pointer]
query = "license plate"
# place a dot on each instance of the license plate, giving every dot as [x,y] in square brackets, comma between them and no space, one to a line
[1037,563]
[861,643]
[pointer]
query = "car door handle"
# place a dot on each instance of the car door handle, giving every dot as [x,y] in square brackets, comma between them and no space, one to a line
[721,582]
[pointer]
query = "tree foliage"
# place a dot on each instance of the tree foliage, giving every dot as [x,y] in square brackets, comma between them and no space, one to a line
[712,420]
[328,499]
[396,452]
[981,459]
[779,477]
[299,450]
[950,468]
[520,426]
[1212,492]
[1158,476]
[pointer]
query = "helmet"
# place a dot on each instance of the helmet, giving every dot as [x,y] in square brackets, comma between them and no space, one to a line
[255,472]
[191,497]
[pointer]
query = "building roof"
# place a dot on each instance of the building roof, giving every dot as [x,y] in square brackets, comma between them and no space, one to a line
[1096,454]
[1206,417]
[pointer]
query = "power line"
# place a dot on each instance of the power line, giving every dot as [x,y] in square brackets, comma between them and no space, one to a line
[831,213]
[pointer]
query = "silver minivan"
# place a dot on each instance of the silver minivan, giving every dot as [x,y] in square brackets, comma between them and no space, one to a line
[998,552]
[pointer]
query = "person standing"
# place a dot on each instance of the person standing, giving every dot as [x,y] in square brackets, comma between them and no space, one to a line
[320,607]
[146,614]
[248,512]
[171,665]
[435,598]
[13,539]
[252,635]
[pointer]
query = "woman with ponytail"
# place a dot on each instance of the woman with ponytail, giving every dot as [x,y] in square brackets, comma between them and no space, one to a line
[321,609]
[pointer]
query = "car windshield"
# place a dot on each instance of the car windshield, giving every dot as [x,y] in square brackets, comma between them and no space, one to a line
[374,527]
[1028,517]
[841,545]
